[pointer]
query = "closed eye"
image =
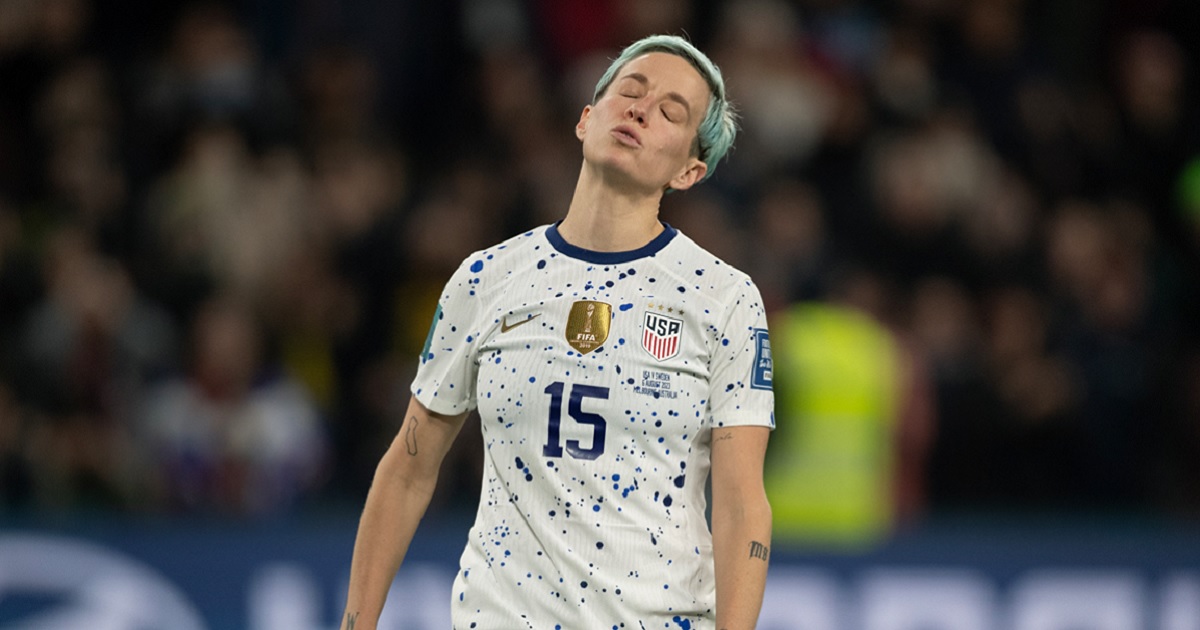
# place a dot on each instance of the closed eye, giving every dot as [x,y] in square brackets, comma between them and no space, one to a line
[673,113]
[632,86]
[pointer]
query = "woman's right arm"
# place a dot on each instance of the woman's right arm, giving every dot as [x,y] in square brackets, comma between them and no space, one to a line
[403,485]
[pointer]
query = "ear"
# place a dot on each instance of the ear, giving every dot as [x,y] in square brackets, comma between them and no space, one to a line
[692,173]
[581,126]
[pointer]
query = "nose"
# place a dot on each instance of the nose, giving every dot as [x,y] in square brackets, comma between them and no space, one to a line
[636,112]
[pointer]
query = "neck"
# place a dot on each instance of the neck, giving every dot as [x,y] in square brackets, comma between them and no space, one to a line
[605,218]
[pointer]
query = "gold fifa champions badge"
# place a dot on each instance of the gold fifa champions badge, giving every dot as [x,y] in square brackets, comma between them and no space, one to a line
[587,325]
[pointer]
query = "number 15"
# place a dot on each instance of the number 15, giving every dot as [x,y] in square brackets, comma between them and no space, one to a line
[553,447]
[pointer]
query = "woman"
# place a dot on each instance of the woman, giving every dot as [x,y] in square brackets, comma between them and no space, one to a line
[615,364]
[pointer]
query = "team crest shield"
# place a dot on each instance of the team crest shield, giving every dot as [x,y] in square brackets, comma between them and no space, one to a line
[587,325]
[661,335]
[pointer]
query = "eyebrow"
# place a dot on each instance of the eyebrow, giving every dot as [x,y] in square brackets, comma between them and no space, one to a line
[674,96]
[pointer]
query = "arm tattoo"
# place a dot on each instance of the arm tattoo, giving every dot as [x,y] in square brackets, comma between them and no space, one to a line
[759,550]
[724,436]
[351,620]
[410,435]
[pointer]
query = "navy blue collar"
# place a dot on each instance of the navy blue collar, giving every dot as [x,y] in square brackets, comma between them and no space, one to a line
[609,258]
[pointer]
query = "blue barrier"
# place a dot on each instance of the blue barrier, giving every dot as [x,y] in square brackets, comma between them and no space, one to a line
[129,574]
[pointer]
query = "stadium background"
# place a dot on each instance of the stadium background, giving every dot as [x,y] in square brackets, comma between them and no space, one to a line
[224,225]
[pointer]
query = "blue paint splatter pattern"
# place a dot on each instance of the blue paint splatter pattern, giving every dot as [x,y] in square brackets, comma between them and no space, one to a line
[592,508]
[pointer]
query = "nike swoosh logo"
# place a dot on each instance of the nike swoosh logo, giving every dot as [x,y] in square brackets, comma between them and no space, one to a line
[505,326]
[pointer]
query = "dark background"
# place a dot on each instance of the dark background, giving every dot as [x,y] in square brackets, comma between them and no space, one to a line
[224,226]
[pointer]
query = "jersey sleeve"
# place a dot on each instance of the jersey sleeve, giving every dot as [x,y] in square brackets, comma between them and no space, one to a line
[740,382]
[446,377]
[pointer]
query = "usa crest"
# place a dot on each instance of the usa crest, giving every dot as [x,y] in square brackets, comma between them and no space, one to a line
[661,335]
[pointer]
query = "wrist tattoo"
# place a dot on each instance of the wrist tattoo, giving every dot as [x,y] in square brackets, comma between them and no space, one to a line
[759,550]
[351,620]
[410,435]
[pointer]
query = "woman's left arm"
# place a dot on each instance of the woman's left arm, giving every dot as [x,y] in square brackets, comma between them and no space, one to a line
[741,524]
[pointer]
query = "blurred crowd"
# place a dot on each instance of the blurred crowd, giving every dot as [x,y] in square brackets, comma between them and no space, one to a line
[224,227]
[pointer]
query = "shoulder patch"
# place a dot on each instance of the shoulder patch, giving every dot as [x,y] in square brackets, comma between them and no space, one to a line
[437,316]
[761,379]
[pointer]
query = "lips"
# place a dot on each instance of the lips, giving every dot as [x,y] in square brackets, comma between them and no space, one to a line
[626,135]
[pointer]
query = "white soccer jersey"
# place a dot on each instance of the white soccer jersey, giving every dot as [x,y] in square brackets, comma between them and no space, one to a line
[598,378]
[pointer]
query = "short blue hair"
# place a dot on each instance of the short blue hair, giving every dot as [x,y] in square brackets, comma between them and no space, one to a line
[719,127]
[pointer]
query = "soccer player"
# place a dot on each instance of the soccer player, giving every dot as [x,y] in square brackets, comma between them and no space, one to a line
[615,365]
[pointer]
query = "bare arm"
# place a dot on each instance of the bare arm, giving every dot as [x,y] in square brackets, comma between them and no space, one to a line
[741,524]
[403,485]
